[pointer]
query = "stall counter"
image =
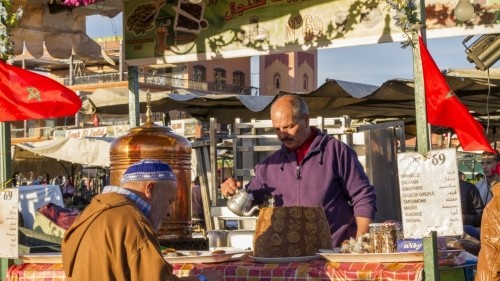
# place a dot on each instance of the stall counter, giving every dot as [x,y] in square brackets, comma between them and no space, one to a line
[318,270]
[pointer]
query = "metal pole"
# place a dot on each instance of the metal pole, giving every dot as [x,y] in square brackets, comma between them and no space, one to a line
[70,81]
[134,108]
[431,267]
[5,162]
[420,111]
[120,63]
[5,154]
[25,122]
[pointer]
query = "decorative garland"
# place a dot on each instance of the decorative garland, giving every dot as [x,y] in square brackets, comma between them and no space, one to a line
[7,20]
[77,3]
[406,18]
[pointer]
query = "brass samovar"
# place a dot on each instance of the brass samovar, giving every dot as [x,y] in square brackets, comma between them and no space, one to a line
[151,141]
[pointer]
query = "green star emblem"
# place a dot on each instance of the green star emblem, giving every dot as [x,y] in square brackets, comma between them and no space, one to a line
[34,94]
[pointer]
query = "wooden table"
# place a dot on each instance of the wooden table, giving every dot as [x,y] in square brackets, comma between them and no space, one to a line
[318,270]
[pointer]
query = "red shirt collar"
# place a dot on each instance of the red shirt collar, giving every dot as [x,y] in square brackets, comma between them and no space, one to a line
[302,150]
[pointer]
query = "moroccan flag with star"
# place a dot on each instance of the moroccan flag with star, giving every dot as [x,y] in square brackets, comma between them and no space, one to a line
[445,109]
[26,95]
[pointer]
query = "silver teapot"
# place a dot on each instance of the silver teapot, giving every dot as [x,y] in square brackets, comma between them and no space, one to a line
[241,203]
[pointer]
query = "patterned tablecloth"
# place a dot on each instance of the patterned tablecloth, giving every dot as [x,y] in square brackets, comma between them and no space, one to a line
[316,270]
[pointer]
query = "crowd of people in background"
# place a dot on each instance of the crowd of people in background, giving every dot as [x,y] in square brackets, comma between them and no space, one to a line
[76,191]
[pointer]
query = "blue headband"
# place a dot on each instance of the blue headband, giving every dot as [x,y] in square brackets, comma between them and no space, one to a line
[148,170]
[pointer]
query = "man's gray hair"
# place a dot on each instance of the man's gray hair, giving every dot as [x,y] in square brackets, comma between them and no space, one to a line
[299,105]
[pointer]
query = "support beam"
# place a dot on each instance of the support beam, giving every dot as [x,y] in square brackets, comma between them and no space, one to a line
[133,97]
[5,178]
[431,268]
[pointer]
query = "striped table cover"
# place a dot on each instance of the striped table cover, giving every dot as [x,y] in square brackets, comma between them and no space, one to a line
[316,270]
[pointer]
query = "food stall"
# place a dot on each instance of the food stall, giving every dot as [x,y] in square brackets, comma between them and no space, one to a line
[328,266]
[237,263]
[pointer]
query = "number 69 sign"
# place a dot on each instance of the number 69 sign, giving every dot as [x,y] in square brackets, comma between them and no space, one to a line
[9,225]
[430,193]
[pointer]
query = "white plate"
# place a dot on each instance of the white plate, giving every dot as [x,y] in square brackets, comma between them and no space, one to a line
[374,257]
[285,259]
[207,257]
[385,257]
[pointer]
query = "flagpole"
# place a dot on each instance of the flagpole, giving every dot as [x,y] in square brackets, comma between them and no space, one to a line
[423,145]
[431,267]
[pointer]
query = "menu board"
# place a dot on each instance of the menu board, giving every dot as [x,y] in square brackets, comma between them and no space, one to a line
[9,226]
[430,193]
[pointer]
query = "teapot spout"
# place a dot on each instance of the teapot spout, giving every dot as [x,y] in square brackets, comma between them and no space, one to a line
[251,211]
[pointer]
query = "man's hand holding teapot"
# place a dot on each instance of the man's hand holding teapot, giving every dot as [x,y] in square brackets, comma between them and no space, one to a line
[229,186]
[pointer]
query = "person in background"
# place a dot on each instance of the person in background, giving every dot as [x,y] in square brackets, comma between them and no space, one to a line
[472,206]
[114,238]
[489,162]
[479,177]
[461,176]
[16,179]
[46,178]
[68,191]
[312,169]
[57,180]
[488,265]
[34,179]
[196,200]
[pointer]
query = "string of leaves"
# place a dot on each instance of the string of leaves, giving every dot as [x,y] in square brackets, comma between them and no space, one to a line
[7,19]
[406,18]
[77,3]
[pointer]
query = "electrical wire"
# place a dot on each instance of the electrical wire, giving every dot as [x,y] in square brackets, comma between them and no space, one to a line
[488,117]
[113,28]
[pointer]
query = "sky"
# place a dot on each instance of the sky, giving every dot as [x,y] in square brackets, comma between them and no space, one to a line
[370,64]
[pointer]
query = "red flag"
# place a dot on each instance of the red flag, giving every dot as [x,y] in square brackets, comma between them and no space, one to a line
[445,109]
[27,95]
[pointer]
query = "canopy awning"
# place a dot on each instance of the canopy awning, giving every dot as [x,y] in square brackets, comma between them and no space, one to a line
[85,151]
[335,98]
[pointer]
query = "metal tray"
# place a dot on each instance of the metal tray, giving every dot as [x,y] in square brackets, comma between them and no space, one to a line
[375,257]
[207,257]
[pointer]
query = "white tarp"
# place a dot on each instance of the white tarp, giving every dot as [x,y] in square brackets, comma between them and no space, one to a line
[84,151]
[33,197]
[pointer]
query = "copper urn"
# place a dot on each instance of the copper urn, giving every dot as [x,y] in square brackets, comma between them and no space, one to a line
[151,141]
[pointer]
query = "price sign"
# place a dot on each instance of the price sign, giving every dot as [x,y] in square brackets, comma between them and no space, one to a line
[430,193]
[9,223]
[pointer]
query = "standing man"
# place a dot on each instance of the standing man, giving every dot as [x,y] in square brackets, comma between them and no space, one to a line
[114,238]
[489,162]
[488,263]
[312,169]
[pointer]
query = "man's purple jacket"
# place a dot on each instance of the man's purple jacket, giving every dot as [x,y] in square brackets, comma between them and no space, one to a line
[330,176]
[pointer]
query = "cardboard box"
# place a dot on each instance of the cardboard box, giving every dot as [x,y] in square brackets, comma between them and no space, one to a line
[417,245]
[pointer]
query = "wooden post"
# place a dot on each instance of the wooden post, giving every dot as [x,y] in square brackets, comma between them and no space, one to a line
[431,268]
[204,168]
